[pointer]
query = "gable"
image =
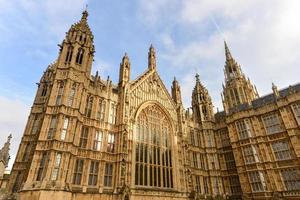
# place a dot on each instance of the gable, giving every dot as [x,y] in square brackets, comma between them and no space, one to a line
[149,87]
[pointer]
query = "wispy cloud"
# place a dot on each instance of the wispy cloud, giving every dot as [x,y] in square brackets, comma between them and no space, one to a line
[12,120]
[263,37]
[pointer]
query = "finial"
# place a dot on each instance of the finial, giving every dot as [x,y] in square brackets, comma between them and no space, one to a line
[125,58]
[197,77]
[227,52]
[85,14]
[275,90]
[175,82]
[151,58]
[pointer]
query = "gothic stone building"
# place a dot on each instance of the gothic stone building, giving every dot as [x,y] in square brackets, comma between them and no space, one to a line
[87,138]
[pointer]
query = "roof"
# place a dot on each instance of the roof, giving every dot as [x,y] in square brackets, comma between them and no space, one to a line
[267,99]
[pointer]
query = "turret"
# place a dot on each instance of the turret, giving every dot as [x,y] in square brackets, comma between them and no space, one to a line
[238,89]
[151,58]
[201,102]
[4,152]
[77,49]
[124,76]
[176,93]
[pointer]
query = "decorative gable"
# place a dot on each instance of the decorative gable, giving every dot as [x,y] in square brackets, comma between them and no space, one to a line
[149,87]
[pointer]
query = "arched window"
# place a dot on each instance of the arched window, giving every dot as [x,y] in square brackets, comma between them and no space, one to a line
[44,91]
[153,157]
[60,93]
[72,95]
[69,54]
[89,106]
[79,56]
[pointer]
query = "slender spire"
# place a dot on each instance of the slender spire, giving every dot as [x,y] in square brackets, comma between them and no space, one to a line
[227,52]
[236,81]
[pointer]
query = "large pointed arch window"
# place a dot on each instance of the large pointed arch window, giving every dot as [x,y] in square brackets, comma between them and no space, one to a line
[153,157]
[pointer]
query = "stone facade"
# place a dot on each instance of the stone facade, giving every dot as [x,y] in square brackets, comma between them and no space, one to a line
[87,138]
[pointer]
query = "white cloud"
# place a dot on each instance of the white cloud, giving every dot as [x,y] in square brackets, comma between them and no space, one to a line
[46,19]
[103,67]
[12,120]
[262,35]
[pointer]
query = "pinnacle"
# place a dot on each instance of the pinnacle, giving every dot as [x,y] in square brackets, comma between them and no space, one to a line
[151,48]
[85,14]
[197,77]
[227,52]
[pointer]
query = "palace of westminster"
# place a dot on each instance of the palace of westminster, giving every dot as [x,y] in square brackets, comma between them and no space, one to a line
[88,138]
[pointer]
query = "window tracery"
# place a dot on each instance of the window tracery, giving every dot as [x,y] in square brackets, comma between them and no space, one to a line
[153,156]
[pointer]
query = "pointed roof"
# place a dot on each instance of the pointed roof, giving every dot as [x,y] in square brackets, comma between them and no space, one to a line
[199,89]
[175,82]
[227,52]
[151,50]
[125,59]
[198,85]
[82,25]
[232,68]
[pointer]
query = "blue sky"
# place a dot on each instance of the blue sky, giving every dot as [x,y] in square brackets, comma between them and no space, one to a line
[188,37]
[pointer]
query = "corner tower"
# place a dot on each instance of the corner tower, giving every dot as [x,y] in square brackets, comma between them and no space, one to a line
[238,89]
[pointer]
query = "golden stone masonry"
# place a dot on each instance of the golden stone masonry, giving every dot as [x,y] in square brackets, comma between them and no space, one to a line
[87,138]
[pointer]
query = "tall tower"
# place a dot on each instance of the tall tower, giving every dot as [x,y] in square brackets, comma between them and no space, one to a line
[201,103]
[238,89]
[59,93]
